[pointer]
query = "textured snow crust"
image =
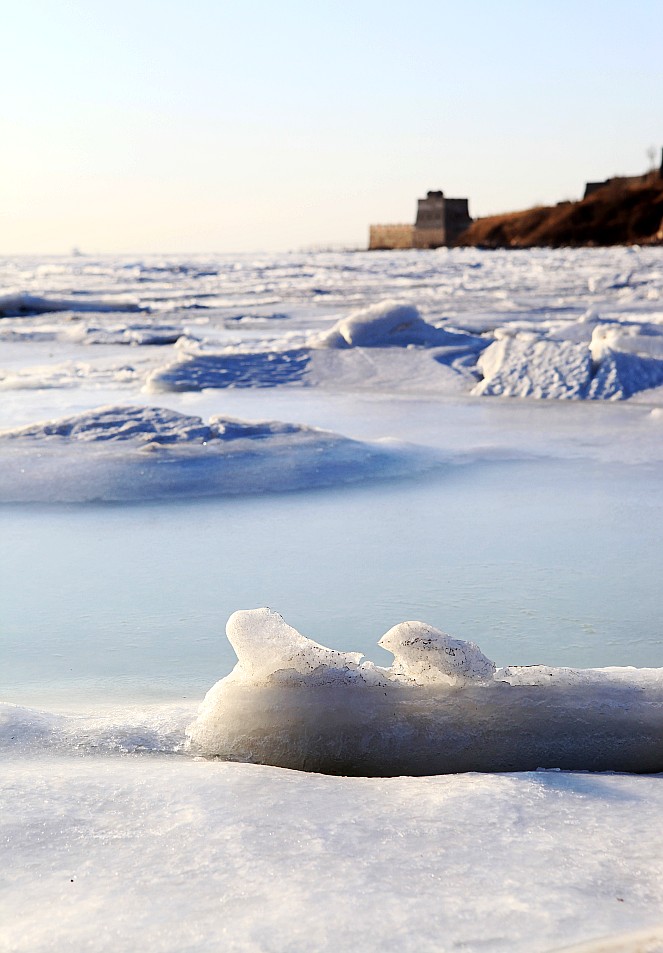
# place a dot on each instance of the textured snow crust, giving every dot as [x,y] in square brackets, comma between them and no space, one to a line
[440,708]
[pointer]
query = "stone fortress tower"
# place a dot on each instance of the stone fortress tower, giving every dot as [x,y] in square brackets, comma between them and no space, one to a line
[439,222]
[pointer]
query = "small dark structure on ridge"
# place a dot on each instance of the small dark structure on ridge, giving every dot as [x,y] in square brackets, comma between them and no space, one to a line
[439,222]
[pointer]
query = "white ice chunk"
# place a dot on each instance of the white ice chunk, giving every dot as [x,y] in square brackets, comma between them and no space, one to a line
[390,324]
[428,655]
[266,644]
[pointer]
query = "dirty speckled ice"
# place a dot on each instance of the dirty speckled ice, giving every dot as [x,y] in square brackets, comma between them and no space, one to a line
[441,707]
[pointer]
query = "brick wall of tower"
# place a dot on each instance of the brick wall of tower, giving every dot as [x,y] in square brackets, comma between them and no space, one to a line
[384,237]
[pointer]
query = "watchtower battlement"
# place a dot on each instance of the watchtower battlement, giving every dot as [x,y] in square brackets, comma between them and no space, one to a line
[439,222]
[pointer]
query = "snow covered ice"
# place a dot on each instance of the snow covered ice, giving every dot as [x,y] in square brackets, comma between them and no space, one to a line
[166,454]
[469,438]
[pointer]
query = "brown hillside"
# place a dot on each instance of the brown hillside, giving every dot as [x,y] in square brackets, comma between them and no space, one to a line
[621,212]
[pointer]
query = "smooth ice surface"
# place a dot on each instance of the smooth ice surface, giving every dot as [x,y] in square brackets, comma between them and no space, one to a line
[439,708]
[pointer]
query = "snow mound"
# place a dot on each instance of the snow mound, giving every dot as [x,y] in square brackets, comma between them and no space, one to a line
[394,333]
[137,453]
[526,365]
[599,360]
[440,708]
[628,359]
[26,305]
[390,324]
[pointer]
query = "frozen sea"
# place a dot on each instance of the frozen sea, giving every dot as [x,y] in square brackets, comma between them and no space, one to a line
[471,439]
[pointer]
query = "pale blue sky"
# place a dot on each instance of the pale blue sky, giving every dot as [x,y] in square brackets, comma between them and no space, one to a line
[156,125]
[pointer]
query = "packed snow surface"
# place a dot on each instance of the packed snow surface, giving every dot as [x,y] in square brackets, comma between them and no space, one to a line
[171,854]
[440,708]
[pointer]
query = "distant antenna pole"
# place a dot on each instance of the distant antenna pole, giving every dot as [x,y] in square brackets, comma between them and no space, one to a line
[651,157]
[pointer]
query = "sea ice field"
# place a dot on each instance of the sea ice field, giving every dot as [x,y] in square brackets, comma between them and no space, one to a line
[331,601]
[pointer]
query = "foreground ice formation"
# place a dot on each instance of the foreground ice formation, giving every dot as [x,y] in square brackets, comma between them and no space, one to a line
[122,453]
[440,708]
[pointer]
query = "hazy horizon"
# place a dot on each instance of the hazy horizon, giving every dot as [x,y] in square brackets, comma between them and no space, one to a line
[153,128]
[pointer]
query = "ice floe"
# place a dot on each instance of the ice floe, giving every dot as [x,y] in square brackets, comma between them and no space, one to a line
[440,708]
[26,305]
[136,453]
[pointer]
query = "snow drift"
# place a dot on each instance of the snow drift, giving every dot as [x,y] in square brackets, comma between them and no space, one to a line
[440,708]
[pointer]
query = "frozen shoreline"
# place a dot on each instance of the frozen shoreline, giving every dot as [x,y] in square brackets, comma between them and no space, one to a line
[540,540]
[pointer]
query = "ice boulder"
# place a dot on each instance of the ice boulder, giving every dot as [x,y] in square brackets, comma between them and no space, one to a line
[390,324]
[439,708]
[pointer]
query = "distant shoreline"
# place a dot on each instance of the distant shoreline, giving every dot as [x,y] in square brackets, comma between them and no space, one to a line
[620,211]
